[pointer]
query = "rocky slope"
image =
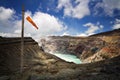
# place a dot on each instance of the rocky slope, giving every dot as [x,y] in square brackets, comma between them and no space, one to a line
[10,49]
[39,65]
[102,70]
[89,49]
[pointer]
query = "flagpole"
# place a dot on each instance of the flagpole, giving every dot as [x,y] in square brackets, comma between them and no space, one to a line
[22,41]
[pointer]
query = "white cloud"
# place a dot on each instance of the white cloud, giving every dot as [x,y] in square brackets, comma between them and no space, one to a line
[92,28]
[6,14]
[9,34]
[116,24]
[48,24]
[65,34]
[78,34]
[108,6]
[79,11]
[101,26]
[82,35]
[12,34]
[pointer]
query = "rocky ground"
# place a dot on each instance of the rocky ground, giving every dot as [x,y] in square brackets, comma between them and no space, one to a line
[39,65]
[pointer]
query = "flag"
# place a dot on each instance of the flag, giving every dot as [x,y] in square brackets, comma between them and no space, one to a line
[31,21]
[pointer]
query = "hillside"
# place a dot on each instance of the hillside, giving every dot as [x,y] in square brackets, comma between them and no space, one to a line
[39,65]
[89,49]
[33,54]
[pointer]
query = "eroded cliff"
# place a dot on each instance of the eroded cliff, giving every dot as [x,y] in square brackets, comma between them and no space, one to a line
[89,49]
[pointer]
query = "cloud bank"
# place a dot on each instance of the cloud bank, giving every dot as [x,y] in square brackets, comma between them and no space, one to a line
[108,6]
[78,10]
[116,24]
[11,26]
[92,28]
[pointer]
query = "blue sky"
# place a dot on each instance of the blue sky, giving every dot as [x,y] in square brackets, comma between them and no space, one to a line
[59,17]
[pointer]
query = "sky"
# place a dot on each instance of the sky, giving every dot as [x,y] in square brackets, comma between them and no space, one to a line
[59,17]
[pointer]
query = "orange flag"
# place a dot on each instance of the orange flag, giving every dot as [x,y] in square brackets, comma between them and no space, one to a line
[31,21]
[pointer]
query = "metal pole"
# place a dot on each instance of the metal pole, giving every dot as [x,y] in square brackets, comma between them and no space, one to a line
[22,41]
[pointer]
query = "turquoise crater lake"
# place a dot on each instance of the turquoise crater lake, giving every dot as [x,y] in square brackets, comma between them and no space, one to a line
[68,57]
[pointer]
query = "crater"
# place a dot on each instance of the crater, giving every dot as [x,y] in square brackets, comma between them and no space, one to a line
[68,57]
